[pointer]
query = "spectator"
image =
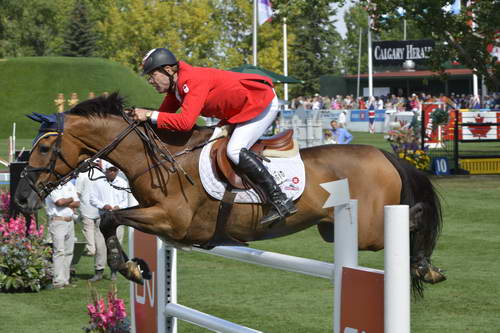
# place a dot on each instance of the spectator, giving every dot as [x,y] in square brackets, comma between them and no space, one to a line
[316,104]
[328,137]
[90,214]
[61,204]
[379,103]
[361,103]
[342,119]
[340,134]
[106,196]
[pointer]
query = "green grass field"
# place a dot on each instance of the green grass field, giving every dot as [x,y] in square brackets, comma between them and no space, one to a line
[31,84]
[276,301]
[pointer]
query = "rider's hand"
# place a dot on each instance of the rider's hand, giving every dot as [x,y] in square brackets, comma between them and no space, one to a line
[140,114]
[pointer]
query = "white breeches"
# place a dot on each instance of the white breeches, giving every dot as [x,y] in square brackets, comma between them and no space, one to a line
[247,133]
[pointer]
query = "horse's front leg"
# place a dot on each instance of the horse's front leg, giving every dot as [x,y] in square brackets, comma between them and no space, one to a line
[152,220]
[142,219]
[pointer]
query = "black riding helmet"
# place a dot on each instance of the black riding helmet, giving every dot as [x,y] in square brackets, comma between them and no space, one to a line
[157,58]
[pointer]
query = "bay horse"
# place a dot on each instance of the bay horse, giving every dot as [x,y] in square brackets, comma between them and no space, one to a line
[177,208]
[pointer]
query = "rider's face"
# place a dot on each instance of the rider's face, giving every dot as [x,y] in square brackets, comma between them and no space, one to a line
[159,81]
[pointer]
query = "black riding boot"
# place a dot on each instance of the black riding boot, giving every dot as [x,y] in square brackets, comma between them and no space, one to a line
[281,206]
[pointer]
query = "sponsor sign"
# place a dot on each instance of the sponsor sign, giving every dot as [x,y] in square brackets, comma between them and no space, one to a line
[145,298]
[362,301]
[395,52]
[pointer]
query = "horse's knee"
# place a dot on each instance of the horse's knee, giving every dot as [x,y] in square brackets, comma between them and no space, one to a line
[416,216]
[108,222]
[326,230]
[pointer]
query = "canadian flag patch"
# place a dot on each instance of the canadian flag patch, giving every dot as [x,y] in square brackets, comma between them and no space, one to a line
[185,88]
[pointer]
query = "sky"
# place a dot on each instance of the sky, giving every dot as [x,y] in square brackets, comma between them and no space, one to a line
[341,28]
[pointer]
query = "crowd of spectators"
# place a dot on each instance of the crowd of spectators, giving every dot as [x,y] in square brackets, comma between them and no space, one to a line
[393,102]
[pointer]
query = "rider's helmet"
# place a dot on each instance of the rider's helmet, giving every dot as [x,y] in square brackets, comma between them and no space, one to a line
[157,58]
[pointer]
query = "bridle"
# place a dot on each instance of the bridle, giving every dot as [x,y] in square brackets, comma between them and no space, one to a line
[159,153]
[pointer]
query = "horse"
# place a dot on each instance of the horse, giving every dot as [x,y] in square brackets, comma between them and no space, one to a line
[174,205]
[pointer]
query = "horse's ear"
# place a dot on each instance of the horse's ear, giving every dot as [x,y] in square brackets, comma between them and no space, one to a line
[36,116]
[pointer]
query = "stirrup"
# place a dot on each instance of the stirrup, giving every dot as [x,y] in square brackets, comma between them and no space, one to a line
[279,213]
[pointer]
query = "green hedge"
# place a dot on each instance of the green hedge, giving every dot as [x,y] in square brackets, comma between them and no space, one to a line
[31,84]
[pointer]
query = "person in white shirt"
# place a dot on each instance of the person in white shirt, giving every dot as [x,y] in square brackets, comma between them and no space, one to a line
[61,204]
[342,119]
[90,214]
[105,196]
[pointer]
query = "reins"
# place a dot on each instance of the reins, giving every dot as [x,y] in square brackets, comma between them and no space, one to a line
[157,150]
[156,145]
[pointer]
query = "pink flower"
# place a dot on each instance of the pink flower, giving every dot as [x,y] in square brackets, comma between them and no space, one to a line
[101,306]
[91,309]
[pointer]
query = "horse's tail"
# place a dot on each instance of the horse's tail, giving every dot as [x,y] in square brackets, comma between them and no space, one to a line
[418,192]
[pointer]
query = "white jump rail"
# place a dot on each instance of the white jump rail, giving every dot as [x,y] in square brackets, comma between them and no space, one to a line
[396,280]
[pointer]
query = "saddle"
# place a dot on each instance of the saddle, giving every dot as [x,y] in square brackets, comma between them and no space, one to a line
[279,145]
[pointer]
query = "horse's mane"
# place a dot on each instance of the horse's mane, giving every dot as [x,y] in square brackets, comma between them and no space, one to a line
[99,106]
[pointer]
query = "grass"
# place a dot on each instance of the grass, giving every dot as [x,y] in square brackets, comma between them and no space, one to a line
[31,84]
[276,301]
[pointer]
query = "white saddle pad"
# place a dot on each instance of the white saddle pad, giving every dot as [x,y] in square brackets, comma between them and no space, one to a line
[289,174]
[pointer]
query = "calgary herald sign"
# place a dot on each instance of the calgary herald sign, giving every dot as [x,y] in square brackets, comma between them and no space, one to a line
[395,52]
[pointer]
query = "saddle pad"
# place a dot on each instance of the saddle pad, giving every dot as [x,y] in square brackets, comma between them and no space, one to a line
[288,172]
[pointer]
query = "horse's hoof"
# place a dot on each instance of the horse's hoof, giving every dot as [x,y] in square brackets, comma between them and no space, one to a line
[132,272]
[136,270]
[429,274]
[434,275]
[143,268]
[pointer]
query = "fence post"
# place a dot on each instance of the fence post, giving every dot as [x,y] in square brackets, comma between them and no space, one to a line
[346,250]
[455,142]
[396,269]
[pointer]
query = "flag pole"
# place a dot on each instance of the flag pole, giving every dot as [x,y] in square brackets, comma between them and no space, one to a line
[255,18]
[370,65]
[359,61]
[285,57]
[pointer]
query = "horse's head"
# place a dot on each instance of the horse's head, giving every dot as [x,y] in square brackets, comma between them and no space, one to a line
[56,151]
[43,166]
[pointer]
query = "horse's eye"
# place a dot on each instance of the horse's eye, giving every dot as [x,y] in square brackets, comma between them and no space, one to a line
[44,149]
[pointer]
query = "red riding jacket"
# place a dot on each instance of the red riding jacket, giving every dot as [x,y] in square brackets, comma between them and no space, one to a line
[231,97]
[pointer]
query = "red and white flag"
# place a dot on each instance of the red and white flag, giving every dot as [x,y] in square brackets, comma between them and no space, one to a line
[265,11]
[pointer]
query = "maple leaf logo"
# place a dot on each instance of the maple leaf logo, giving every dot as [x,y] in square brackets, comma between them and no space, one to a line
[479,131]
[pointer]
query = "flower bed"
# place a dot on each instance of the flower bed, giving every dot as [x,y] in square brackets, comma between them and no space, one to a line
[406,146]
[24,258]
[107,319]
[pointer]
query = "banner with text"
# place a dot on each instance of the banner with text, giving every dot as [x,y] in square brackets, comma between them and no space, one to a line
[395,52]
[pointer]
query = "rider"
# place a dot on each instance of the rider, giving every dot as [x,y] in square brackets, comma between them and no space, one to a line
[246,100]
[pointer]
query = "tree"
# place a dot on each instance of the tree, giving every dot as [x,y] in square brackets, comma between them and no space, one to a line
[466,36]
[30,27]
[80,38]
[130,28]
[316,43]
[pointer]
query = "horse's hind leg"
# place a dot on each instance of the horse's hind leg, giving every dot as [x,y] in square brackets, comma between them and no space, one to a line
[421,266]
[136,269]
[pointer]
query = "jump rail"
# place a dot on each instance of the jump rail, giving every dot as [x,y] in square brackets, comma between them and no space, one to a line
[396,292]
